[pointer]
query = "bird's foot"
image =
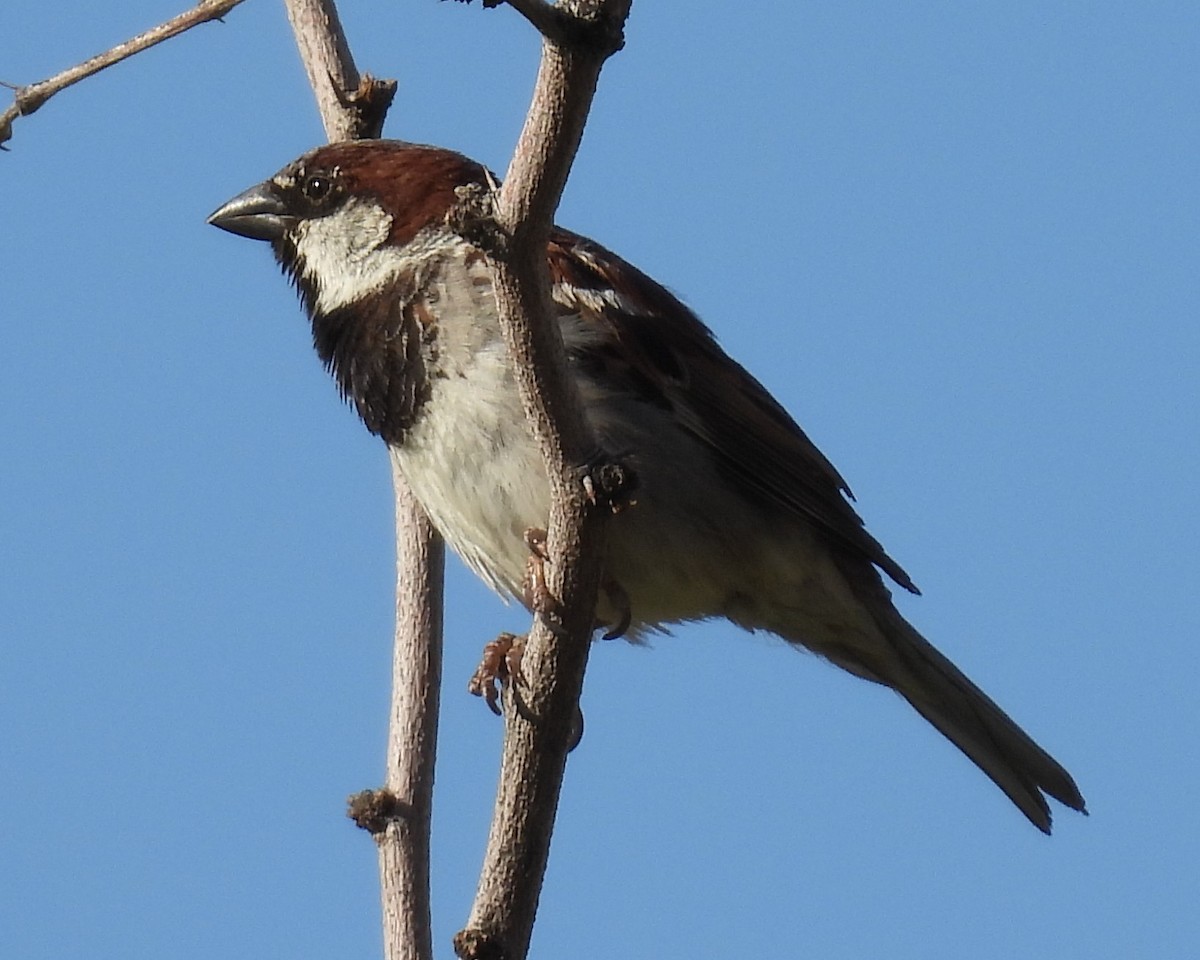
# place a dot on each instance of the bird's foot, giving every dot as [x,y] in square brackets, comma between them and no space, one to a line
[538,597]
[500,666]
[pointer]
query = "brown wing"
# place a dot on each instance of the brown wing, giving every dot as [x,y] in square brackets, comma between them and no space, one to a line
[672,359]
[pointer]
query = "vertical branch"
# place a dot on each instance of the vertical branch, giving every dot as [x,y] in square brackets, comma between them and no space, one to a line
[577,39]
[412,731]
[353,107]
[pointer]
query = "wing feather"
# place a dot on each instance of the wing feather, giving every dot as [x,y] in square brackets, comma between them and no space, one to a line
[671,358]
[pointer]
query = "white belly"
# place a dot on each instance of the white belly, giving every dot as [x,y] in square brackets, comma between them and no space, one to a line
[475,469]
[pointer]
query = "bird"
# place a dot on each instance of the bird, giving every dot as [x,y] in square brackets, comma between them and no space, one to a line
[738,515]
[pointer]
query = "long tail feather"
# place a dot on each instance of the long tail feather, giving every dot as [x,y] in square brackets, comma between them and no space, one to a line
[963,713]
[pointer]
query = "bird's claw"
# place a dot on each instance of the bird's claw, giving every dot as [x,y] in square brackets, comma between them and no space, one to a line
[500,666]
[620,600]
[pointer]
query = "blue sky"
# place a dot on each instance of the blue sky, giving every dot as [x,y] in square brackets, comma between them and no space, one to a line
[958,241]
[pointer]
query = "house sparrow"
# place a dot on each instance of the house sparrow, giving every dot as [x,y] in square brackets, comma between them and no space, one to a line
[738,514]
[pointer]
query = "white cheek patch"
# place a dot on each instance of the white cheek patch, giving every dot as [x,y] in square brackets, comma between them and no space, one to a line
[345,254]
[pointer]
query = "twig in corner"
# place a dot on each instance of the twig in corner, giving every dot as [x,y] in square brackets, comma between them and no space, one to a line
[30,98]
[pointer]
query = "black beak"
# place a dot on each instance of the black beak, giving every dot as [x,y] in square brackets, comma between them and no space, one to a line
[258,213]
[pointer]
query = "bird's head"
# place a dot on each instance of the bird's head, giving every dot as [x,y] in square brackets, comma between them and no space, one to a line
[359,227]
[344,218]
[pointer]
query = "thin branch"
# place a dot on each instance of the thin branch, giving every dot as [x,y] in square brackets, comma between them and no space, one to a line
[351,107]
[398,816]
[538,737]
[404,850]
[30,98]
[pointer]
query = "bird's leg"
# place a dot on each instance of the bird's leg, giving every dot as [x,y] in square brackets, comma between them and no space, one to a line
[501,661]
[538,597]
[501,665]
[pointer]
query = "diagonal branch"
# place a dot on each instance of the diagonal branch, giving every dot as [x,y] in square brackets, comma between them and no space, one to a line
[29,98]
[538,737]
[352,107]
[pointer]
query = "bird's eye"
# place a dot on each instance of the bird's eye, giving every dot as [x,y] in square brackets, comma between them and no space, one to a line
[317,187]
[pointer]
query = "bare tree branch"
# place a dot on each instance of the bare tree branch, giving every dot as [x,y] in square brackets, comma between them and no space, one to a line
[404,852]
[398,816]
[351,107]
[29,98]
[538,736]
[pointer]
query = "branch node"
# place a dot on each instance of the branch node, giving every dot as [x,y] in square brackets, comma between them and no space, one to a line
[369,104]
[374,810]
[601,34]
[475,944]
[608,484]
[473,218]
[29,99]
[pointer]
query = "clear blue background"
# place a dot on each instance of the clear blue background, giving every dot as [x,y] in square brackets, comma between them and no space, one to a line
[958,241]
